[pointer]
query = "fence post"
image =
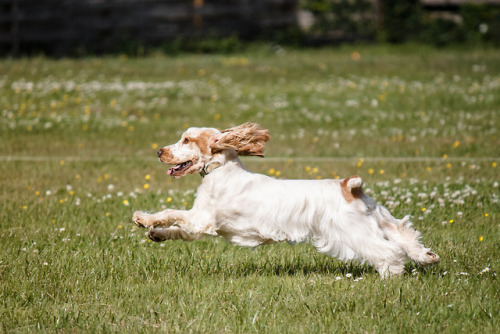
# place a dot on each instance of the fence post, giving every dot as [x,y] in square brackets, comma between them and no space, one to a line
[15,29]
[197,17]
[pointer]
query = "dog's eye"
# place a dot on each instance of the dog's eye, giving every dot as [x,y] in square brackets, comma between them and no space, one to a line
[185,141]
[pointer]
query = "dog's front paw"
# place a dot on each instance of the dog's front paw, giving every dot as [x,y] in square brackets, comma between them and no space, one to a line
[141,219]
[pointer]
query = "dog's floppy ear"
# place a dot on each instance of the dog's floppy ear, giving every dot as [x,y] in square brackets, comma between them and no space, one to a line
[246,139]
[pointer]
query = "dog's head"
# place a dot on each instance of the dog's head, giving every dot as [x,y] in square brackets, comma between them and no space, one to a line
[200,146]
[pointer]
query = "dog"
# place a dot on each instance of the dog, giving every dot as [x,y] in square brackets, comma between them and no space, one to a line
[250,209]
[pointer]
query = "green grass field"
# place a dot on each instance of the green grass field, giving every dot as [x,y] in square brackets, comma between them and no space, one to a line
[421,126]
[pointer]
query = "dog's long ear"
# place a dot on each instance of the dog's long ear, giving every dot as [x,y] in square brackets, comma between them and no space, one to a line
[246,139]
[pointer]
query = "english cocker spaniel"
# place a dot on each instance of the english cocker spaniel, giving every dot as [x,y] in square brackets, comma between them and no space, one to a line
[250,209]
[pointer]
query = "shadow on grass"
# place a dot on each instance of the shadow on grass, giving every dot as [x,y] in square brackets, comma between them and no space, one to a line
[286,268]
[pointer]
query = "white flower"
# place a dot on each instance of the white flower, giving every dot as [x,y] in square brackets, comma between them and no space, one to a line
[483,28]
[485,270]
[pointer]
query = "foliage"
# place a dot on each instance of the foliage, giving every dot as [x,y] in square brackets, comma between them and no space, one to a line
[352,18]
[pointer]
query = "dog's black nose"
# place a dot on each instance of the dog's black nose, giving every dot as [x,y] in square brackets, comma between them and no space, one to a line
[160,152]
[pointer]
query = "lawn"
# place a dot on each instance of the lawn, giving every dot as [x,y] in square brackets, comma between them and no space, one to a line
[79,136]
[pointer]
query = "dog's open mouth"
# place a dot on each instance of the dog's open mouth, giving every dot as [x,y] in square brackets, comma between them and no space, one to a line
[178,169]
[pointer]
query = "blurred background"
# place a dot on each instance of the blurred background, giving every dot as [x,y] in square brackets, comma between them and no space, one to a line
[136,27]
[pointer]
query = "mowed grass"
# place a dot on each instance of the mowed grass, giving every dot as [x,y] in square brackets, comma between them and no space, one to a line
[78,158]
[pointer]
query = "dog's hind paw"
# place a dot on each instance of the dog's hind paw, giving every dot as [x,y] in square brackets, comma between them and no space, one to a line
[429,258]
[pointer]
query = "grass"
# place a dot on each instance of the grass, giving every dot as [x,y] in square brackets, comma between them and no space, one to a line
[79,139]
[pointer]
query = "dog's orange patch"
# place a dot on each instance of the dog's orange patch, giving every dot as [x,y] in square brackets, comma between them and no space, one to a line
[166,155]
[351,194]
[202,141]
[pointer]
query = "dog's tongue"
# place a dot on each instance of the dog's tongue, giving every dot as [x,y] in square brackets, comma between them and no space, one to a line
[170,171]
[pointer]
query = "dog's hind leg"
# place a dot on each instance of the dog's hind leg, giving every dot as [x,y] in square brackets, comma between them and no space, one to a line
[401,232]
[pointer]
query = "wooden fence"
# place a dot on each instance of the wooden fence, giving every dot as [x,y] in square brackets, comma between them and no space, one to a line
[63,26]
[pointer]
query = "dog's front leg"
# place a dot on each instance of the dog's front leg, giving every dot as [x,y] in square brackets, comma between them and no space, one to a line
[163,218]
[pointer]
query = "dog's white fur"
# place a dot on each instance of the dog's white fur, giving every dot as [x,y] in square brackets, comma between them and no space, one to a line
[250,209]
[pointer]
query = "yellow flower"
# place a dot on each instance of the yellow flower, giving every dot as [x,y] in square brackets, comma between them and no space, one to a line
[481,238]
[429,169]
[126,203]
[360,163]
[307,169]
[61,162]
[423,209]
[154,146]
[451,221]
[217,117]
[271,171]
[370,171]
[381,172]
[25,207]
[445,156]
[71,193]
[107,214]
[119,226]
[169,199]
[147,177]
[146,185]
[455,144]
[448,165]
[37,193]
[278,173]
[494,164]
[486,215]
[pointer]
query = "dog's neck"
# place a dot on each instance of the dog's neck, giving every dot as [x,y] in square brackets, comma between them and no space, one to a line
[209,168]
[219,160]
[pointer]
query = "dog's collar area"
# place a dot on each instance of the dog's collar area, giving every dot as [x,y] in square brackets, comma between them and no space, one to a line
[210,168]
